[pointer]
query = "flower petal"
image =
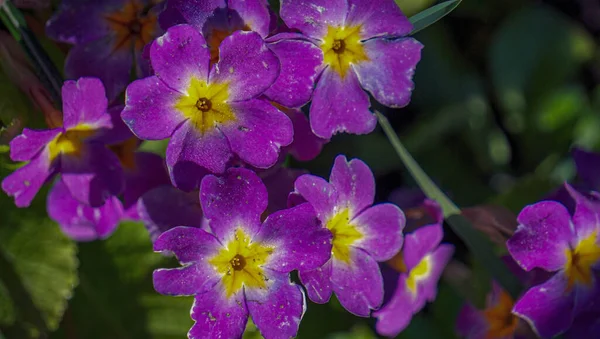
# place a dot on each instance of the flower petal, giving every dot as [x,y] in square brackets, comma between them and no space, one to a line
[196,278]
[84,102]
[279,316]
[300,63]
[421,242]
[543,235]
[29,143]
[439,260]
[319,193]
[299,241]
[150,172]
[166,207]
[381,226]
[257,135]
[318,283]
[98,59]
[313,16]
[193,12]
[585,219]
[471,323]
[547,308]
[149,109]
[358,285]
[377,18]
[217,316]
[588,165]
[190,244]
[354,182]
[306,145]
[254,13]
[388,73]
[396,314]
[79,221]
[340,105]
[24,183]
[237,198]
[94,176]
[185,45]
[246,64]
[280,183]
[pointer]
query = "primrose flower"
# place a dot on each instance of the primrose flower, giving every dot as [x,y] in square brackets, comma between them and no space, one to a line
[79,221]
[109,37]
[217,19]
[362,235]
[76,150]
[548,237]
[364,47]
[496,321]
[210,113]
[412,275]
[242,268]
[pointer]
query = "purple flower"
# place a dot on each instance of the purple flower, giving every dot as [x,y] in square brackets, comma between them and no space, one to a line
[548,237]
[364,48]
[79,221]
[495,321]
[109,37]
[242,267]
[210,113]
[411,276]
[306,145]
[217,19]
[76,150]
[362,235]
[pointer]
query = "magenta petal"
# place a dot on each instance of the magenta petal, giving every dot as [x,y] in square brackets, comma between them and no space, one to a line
[439,259]
[84,102]
[254,13]
[149,109]
[377,18]
[187,46]
[24,183]
[237,198]
[354,182]
[94,177]
[420,243]
[548,308]
[312,17]
[543,235]
[381,226]
[258,133]
[279,316]
[191,154]
[340,105]
[299,240]
[117,132]
[217,316]
[79,221]
[29,143]
[166,207]
[585,219]
[318,283]
[306,145]
[246,64]
[396,314]
[98,59]
[196,278]
[388,73]
[358,285]
[319,193]
[300,63]
[190,244]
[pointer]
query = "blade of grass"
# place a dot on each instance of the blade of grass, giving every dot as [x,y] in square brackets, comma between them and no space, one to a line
[480,246]
[431,15]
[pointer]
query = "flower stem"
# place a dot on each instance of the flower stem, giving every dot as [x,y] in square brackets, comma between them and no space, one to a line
[480,246]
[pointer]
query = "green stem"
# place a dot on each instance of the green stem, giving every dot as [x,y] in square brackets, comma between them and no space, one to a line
[480,246]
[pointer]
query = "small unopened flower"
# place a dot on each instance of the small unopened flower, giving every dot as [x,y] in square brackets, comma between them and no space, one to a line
[242,268]
[548,237]
[209,112]
[362,235]
[76,150]
[109,37]
[413,273]
[364,48]
[496,321]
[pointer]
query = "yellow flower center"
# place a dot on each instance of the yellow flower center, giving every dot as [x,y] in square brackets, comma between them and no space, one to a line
[125,151]
[342,47]
[344,235]
[134,26]
[240,263]
[205,105]
[69,142]
[418,274]
[580,261]
[502,323]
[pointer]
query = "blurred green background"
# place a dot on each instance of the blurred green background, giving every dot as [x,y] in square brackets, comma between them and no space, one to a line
[504,89]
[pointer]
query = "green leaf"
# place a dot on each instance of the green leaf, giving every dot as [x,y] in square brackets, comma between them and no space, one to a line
[431,15]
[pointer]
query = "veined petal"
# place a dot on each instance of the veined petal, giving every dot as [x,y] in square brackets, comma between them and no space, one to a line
[381,227]
[377,18]
[312,17]
[318,283]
